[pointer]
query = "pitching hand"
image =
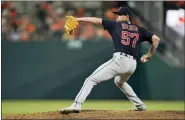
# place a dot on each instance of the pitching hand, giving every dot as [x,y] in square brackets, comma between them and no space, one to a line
[146,57]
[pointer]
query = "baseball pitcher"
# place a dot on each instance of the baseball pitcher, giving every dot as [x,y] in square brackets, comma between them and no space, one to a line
[126,39]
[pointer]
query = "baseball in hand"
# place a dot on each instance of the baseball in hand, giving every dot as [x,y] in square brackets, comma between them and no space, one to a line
[144,60]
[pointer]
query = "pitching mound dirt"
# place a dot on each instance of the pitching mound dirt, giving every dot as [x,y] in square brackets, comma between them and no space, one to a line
[103,114]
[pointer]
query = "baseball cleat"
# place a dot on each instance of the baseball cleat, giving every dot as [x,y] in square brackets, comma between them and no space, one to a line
[74,108]
[139,108]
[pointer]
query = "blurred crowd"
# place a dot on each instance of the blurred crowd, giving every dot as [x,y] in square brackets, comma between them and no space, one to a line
[45,22]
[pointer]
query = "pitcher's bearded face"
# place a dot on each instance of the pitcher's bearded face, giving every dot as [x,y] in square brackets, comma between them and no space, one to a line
[120,18]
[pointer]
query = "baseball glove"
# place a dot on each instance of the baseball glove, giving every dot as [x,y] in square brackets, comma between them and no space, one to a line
[70,24]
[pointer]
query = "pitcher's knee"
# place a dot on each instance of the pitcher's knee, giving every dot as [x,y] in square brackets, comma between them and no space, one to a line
[91,80]
[117,82]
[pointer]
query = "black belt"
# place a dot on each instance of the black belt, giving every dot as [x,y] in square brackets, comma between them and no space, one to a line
[127,55]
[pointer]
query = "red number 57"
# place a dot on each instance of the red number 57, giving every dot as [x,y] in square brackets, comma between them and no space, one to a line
[126,36]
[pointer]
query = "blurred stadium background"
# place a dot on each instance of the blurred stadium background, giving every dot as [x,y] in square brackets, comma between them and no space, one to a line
[43,68]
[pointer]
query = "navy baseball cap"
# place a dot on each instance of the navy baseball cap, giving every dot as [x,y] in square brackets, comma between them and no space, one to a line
[123,11]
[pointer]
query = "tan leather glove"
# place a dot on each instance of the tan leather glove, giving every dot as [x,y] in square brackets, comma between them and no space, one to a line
[70,24]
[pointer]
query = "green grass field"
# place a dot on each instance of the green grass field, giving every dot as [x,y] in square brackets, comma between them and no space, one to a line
[32,106]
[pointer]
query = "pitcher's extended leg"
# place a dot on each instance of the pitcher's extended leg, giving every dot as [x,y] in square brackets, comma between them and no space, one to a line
[102,73]
[120,81]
